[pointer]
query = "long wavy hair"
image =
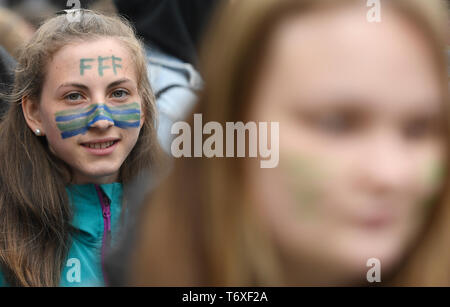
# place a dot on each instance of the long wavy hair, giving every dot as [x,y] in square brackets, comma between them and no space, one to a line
[203,233]
[35,215]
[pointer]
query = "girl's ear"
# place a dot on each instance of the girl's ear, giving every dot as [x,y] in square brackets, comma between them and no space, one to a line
[32,116]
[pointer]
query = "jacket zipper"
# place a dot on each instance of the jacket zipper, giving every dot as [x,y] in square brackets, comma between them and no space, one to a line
[106,213]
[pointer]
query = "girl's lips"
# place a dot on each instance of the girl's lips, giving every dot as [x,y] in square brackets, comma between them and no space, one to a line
[101,151]
[104,140]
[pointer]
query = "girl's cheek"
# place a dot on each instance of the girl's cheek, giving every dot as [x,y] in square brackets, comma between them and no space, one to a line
[434,173]
[52,133]
[48,121]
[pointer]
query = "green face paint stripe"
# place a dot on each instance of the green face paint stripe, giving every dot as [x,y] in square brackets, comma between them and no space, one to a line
[302,180]
[436,172]
[80,123]
[75,111]
[131,105]
[83,67]
[127,117]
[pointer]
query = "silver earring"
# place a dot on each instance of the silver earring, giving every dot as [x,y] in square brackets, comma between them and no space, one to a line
[37,132]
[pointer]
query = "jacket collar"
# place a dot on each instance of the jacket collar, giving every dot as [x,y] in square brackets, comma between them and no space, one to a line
[87,210]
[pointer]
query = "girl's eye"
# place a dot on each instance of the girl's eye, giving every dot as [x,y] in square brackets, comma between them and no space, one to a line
[73,96]
[421,128]
[336,124]
[119,94]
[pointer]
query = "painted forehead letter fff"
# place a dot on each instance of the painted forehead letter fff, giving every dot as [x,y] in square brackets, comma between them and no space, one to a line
[101,64]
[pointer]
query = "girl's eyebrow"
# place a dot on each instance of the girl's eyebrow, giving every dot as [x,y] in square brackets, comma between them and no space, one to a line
[118,82]
[84,87]
[79,85]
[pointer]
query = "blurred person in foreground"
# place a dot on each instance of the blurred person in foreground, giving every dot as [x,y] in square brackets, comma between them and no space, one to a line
[363,153]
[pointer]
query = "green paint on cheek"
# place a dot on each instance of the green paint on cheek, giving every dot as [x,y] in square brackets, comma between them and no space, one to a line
[304,177]
[435,172]
[434,175]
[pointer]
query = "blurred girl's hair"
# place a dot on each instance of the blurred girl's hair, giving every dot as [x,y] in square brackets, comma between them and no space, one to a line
[197,228]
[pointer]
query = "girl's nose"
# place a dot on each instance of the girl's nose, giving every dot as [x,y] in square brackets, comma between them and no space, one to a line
[102,123]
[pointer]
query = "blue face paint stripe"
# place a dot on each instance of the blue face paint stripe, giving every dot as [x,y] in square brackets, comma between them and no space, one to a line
[119,124]
[64,118]
[83,130]
[99,117]
[119,111]
[69,134]
[122,124]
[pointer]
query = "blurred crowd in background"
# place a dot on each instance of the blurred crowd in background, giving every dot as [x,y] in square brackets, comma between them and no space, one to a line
[19,19]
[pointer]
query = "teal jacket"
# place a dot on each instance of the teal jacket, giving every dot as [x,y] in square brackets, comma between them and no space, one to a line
[96,217]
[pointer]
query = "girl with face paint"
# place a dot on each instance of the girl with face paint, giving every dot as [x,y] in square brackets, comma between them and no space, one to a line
[80,128]
[363,115]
